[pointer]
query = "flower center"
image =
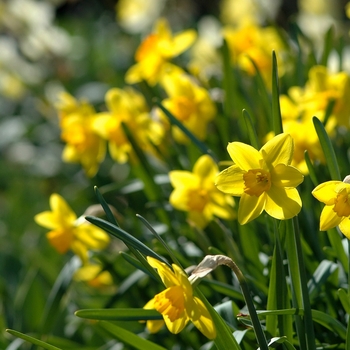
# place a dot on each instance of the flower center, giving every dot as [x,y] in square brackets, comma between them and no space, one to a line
[184,107]
[256,182]
[197,200]
[170,302]
[342,203]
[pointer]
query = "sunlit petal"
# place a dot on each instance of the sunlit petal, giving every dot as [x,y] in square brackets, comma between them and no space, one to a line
[47,219]
[329,218]
[231,181]
[183,178]
[326,192]
[178,325]
[278,150]
[344,227]
[60,206]
[250,207]
[283,203]
[166,274]
[205,167]
[286,176]
[246,157]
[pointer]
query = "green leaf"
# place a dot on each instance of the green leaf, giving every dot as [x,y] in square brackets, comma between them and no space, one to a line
[274,343]
[119,314]
[124,236]
[328,150]
[32,340]
[276,110]
[129,338]
[254,141]
[344,299]
[311,169]
[105,206]
[228,81]
[328,46]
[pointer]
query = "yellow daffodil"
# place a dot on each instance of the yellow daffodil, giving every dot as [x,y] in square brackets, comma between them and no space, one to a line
[322,87]
[68,232]
[94,276]
[196,193]
[336,197]
[252,42]
[177,303]
[83,145]
[156,50]
[129,107]
[263,179]
[189,103]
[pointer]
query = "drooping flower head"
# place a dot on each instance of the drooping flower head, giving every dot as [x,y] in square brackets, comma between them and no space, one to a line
[68,232]
[177,303]
[155,52]
[336,197]
[263,179]
[83,145]
[196,193]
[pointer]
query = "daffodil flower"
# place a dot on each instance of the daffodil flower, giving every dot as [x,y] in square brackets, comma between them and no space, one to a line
[68,232]
[336,197]
[196,193]
[177,303]
[263,179]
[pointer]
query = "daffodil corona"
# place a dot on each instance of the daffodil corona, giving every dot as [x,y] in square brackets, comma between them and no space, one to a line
[336,197]
[177,303]
[263,179]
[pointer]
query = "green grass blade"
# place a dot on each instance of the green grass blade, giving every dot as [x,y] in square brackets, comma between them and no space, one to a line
[328,46]
[124,236]
[228,81]
[328,150]
[253,137]
[126,314]
[32,340]
[106,208]
[276,110]
[311,169]
[129,338]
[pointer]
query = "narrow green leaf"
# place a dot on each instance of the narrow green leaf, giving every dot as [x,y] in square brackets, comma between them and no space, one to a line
[32,340]
[253,137]
[329,111]
[124,236]
[228,81]
[337,244]
[328,46]
[344,299]
[110,217]
[119,314]
[223,288]
[328,150]
[311,169]
[329,322]
[174,121]
[276,110]
[129,338]
[276,341]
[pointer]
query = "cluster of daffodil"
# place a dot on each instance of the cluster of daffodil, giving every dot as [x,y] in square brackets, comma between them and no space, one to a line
[264,178]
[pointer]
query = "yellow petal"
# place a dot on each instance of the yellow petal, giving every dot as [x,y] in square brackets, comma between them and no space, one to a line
[183,280]
[201,318]
[344,227]
[180,178]
[286,176]
[79,249]
[278,150]
[47,219]
[60,206]
[60,239]
[166,274]
[92,236]
[283,203]
[198,219]
[179,199]
[329,218]
[231,181]
[183,41]
[246,157]
[326,192]
[153,326]
[205,167]
[250,207]
[178,325]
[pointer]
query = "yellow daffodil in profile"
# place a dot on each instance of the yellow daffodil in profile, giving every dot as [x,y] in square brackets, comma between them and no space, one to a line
[336,197]
[196,193]
[263,179]
[177,303]
[94,276]
[153,55]
[69,232]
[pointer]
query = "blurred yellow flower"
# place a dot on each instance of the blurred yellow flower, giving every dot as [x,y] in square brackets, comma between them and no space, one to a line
[83,145]
[196,193]
[156,50]
[252,42]
[336,197]
[322,87]
[177,303]
[69,232]
[129,107]
[263,179]
[189,103]
[94,276]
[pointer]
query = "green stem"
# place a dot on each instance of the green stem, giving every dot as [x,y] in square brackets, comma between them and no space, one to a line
[260,336]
